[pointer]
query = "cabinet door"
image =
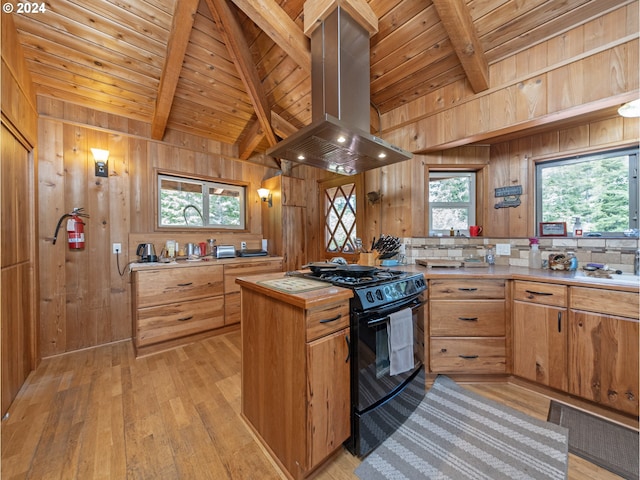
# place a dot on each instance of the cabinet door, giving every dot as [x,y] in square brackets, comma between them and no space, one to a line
[540,344]
[328,395]
[603,355]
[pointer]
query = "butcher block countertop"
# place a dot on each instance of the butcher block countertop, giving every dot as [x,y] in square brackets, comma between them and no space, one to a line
[296,291]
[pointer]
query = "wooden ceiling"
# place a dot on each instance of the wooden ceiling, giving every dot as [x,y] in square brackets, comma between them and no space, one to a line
[239,71]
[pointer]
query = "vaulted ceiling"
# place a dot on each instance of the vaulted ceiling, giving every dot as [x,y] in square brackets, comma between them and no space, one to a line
[238,71]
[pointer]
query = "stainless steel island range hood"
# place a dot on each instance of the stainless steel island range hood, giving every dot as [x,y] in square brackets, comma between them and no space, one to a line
[338,137]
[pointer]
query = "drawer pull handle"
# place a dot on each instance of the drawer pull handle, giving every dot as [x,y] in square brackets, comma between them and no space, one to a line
[559,322]
[468,357]
[467,289]
[538,293]
[329,320]
[346,338]
[468,319]
[184,319]
[185,284]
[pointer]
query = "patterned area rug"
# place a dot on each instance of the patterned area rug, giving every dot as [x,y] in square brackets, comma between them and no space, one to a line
[457,434]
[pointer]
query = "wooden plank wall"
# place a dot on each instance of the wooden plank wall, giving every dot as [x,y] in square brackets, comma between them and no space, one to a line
[18,247]
[84,300]
[590,67]
[513,162]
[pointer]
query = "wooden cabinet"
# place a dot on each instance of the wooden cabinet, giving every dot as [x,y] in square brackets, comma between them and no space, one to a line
[467,326]
[296,378]
[540,333]
[285,220]
[18,272]
[232,289]
[171,305]
[603,347]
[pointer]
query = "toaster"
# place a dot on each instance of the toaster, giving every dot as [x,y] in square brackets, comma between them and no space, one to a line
[225,251]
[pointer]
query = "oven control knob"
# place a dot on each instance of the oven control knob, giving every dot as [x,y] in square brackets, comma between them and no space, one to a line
[369,297]
[379,294]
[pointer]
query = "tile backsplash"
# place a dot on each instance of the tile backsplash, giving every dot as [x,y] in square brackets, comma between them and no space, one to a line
[617,253]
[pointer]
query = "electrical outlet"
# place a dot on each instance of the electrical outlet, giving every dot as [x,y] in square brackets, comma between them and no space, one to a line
[117,248]
[243,245]
[503,249]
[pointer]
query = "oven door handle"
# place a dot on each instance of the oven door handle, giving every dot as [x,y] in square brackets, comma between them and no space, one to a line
[377,321]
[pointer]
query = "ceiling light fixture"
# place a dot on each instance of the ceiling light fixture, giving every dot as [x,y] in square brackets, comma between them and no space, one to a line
[630,109]
[101,157]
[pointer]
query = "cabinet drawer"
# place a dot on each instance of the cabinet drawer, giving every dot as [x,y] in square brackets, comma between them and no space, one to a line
[158,287]
[543,293]
[468,355]
[478,318]
[167,322]
[469,288]
[608,302]
[323,321]
[233,271]
[232,308]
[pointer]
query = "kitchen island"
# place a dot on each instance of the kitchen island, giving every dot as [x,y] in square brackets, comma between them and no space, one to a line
[295,368]
[565,334]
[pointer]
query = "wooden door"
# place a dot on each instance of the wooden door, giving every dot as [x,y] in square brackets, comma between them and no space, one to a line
[18,285]
[540,344]
[603,359]
[328,395]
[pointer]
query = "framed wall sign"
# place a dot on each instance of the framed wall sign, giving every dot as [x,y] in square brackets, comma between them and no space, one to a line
[553,229]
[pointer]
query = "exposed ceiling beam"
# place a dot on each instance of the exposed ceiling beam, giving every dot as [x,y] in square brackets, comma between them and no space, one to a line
[282,128]
[458,23]
[238,48]
[316,11]
[276,23]
[253,135]
[183,19]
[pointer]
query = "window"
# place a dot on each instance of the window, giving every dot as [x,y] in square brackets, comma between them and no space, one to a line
[600,189]
[194,203]
[452,202]
[339,211]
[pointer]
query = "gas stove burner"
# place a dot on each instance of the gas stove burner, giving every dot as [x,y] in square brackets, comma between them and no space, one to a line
[352,280]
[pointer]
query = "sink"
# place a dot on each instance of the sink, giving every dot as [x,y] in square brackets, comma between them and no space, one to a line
[622,278]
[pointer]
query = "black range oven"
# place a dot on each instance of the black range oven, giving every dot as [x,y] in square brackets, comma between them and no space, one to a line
[380,402]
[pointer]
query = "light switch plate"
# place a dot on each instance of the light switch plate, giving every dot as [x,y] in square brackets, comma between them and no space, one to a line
[503,249]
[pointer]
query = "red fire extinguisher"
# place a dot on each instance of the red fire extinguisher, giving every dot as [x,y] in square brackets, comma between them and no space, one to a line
[75,228]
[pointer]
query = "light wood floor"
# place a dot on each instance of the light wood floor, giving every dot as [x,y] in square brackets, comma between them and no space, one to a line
[101,413]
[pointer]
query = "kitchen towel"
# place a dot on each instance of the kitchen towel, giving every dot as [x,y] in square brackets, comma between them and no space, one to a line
[400,333]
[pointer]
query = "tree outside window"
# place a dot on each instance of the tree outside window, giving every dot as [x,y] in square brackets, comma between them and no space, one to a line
[601,190]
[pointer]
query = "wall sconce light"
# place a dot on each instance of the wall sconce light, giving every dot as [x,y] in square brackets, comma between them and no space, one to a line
[265,196]
[101,158]
[630,109]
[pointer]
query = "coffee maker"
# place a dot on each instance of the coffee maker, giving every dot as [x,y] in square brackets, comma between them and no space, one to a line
[146,252]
